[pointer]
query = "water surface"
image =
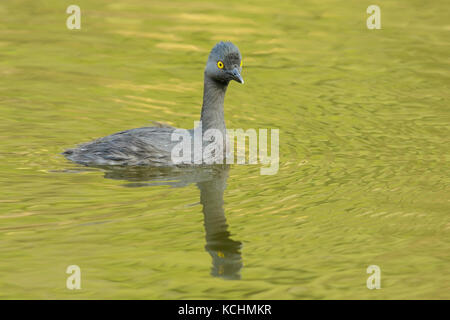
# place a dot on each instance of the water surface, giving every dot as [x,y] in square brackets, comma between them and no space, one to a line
[364,151]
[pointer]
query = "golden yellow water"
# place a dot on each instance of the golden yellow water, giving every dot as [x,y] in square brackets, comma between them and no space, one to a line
[364,149]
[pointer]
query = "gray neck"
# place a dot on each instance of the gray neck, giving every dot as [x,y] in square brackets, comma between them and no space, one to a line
[212,110]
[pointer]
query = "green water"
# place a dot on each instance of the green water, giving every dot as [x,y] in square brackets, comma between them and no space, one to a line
[364,151]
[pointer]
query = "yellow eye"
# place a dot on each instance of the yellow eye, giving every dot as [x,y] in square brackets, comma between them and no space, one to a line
[220,64]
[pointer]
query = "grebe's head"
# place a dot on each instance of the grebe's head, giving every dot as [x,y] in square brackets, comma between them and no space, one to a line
[224,63]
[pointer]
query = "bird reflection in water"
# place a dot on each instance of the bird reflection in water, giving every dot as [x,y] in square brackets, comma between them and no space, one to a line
[211,181]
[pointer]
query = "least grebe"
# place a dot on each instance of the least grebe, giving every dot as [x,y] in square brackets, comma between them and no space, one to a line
[152,146]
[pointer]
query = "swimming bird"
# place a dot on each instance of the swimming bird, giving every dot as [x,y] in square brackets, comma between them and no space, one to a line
[152,146]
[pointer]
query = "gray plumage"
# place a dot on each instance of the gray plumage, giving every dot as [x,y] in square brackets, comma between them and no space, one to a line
[152,146]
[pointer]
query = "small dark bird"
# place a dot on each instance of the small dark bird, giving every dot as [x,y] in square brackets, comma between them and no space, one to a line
[152,146]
